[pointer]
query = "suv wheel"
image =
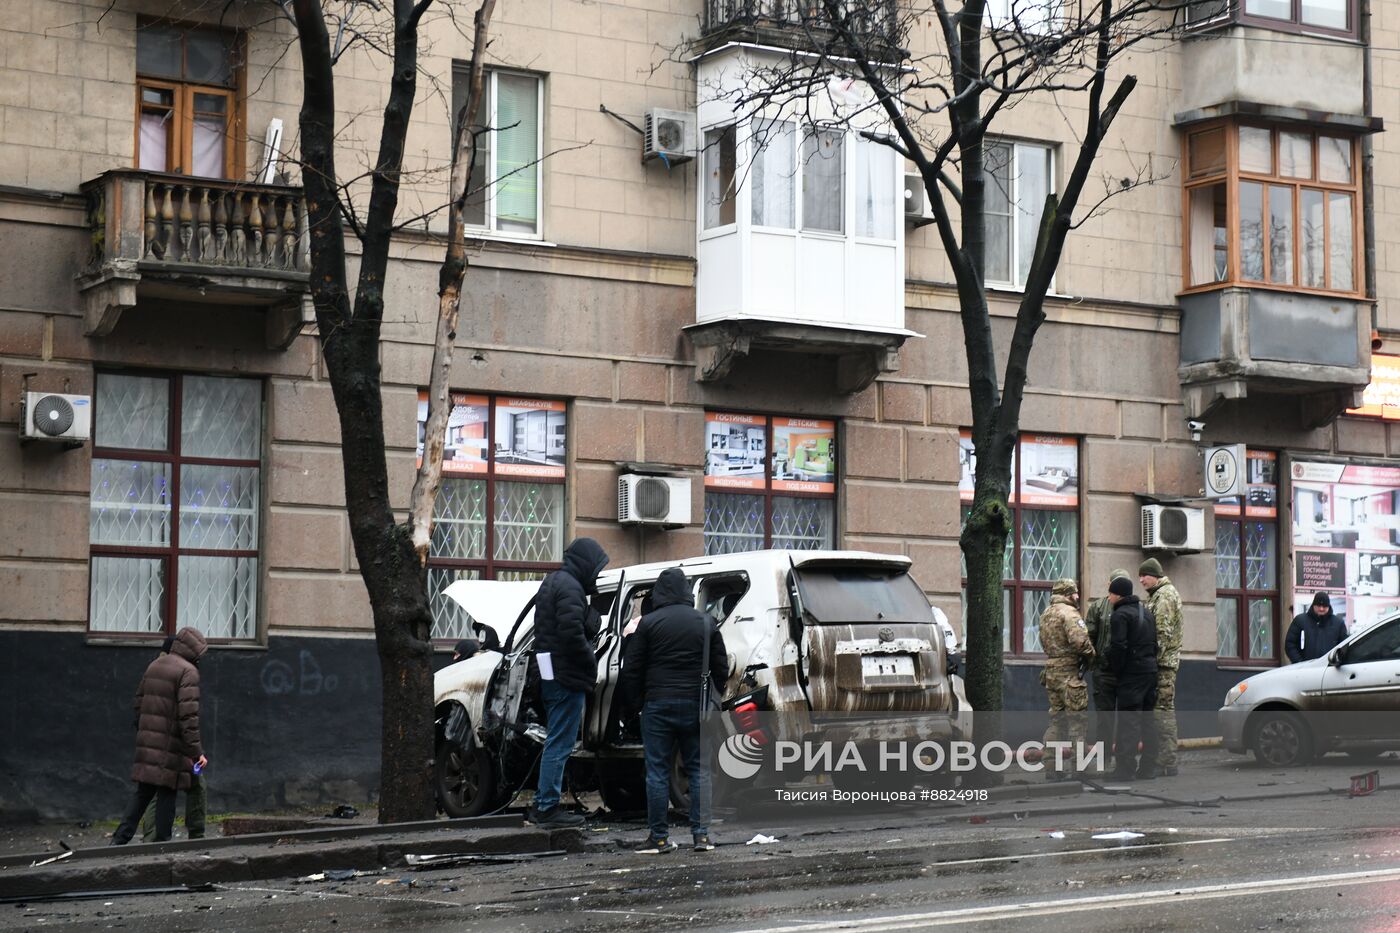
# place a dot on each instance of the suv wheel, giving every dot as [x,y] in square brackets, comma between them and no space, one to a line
[464,779]
[1282,740]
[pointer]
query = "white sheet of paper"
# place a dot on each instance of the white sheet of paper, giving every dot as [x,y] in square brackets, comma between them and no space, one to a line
[546,664]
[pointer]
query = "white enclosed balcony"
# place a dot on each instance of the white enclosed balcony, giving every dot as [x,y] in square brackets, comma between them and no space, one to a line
[800,224]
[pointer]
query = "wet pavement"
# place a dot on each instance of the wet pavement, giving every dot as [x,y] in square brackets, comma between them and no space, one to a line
[1303,858]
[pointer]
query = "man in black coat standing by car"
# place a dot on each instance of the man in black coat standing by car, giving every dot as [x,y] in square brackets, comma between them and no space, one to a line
[1132,659]
[676,652]
[566,625]
[1314,633]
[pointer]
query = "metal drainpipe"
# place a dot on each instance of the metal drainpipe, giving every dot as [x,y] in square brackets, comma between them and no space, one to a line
[1368,209]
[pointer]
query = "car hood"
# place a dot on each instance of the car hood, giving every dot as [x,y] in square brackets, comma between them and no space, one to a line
[1288,680]
[467,677]
[494,603]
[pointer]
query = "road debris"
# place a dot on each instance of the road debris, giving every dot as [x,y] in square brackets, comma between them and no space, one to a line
[761,840]
[1121,834]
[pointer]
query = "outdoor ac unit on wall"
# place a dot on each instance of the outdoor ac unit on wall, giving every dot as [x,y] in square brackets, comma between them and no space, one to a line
[916,209]
[1173,528]
[50,416]
[653,500]
[669,135]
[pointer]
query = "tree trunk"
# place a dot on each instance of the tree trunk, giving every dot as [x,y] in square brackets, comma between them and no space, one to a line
[983,544]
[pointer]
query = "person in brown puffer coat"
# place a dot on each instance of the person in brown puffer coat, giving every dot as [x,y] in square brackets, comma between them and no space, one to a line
[167,734]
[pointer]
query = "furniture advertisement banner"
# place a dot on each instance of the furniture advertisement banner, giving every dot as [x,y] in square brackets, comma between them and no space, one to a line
[736,450]
[1049,470]
[1261,490]
[967,468]
[1346,538]
[529,438]
[464,450]
[804,455]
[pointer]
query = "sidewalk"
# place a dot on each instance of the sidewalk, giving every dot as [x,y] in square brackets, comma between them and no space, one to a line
[1209,778]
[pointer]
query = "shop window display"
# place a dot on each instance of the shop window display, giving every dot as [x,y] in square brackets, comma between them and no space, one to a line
[769,482]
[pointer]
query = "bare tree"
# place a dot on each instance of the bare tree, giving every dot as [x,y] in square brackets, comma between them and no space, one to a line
[392,556]
[938,104]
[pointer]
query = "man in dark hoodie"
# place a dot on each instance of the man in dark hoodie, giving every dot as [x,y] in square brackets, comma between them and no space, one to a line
[1314,633]
[664,668]
[167,734]
[1132,659]
[565,628]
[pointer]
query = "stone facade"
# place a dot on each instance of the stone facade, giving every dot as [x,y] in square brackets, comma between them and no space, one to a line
[593,312]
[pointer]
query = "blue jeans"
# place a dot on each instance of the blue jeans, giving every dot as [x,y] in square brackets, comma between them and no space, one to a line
[564,711]
[666,726]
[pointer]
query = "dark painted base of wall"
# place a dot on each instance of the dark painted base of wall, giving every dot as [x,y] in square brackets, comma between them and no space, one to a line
[1200,689]
[295,725]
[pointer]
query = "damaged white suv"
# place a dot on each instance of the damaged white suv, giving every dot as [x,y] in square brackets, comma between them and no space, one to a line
[807,632]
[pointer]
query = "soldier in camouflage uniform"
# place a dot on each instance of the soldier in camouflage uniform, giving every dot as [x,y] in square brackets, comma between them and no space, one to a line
[1165,603]
[1067,649]
[1096,620]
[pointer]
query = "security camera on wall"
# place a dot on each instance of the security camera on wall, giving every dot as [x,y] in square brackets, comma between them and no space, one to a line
[1197,428]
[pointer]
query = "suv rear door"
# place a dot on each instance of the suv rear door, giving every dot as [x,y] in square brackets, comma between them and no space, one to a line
[868,638]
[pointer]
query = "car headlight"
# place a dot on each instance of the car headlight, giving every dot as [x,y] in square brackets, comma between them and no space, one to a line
[1236,692]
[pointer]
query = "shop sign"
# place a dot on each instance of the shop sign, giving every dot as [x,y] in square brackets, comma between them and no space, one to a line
[1260,480]
[528,437]
[736,450]
[804,455]
[465,449]
[1346,538]
[1049,470]
[1382,397]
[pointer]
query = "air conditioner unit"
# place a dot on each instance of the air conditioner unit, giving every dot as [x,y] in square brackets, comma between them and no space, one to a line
[50,416]
[916,207]
[653,500]
[1173,528]
[669,135]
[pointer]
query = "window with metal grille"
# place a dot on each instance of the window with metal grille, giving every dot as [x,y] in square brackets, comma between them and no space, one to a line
[175,504]
[500,512]
[1246,567]
[1044,543]
[769,482]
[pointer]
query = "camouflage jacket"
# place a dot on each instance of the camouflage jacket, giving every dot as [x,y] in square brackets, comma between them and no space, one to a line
[1096,620]
[1062,635]
[1165,603]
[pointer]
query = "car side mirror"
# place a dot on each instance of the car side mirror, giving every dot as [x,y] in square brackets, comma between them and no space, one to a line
[1335,658]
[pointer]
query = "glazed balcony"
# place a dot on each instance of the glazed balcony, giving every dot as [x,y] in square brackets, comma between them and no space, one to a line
[202,241]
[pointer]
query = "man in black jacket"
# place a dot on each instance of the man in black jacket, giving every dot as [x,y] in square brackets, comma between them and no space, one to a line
[663,673]
[1314,633]
[565,627]
[1132,659]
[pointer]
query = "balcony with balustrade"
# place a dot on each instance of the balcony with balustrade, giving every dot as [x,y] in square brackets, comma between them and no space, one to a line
[801,24]
[198,240]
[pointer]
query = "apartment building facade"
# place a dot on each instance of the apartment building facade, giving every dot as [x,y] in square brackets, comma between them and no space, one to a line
[766,319]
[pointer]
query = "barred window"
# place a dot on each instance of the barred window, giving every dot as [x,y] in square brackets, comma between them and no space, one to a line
[1044,544]
[175,505]
[500,512]
[769,482]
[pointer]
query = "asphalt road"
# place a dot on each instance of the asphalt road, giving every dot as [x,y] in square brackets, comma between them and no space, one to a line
[1319,862]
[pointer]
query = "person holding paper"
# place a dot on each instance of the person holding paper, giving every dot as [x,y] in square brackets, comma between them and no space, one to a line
[565,627]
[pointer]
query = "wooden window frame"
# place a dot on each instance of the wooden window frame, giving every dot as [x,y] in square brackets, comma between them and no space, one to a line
[171,553]
[180,154]
[1234,13]
[1232,176]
